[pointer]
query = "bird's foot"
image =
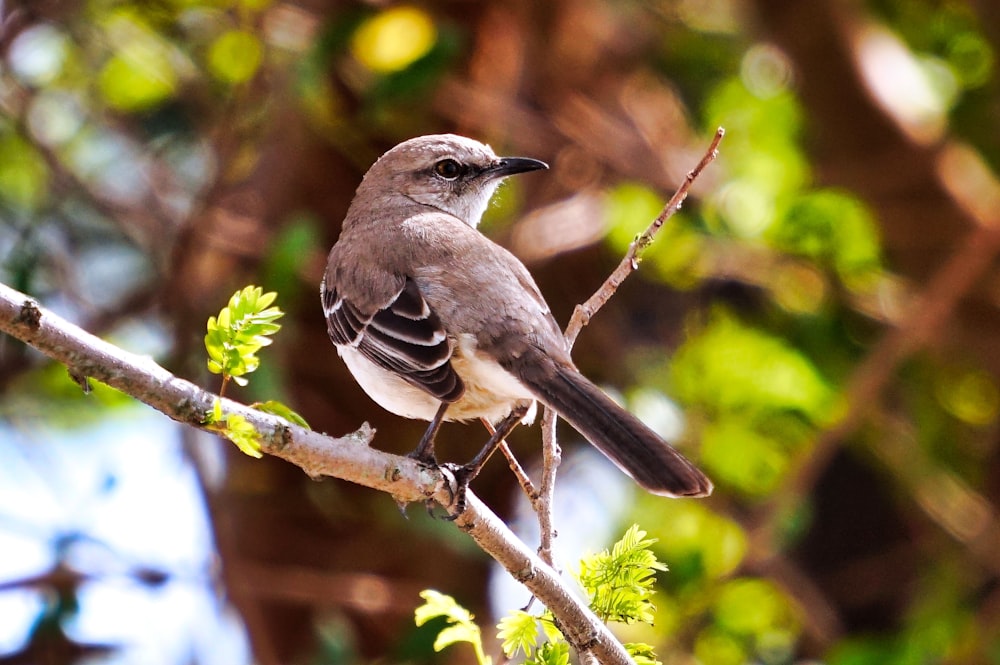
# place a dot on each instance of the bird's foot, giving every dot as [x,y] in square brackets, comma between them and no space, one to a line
[424,457]
[463,475]
[458,487]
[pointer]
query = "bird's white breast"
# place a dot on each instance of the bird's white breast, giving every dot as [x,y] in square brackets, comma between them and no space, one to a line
[491,392]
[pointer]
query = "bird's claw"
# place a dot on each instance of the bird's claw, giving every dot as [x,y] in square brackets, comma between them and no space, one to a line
[458,479]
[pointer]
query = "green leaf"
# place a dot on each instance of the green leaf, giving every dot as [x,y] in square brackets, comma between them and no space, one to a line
[276,408]
[518,632]
[550,653]
[243,434]
[437,604]
[234,427]
[215,415]
[552,633]
[620,582]
[642,653]
[459,632]
[240,331]
[460,628]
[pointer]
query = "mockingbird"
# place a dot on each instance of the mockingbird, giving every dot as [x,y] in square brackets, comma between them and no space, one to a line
[437,322]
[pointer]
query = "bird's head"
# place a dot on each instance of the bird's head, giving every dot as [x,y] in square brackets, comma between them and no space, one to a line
[452,173]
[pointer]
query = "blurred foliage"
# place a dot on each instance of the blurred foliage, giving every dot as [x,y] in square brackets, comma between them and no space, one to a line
[156,155]
[761,400]
[955,47]
[49,393]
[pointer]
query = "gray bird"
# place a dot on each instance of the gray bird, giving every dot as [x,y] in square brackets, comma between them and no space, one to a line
[437,322]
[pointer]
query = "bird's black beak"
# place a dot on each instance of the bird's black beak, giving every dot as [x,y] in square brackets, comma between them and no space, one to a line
[506,166]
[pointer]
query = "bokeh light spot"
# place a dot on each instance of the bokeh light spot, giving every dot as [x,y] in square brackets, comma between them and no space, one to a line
[972,397]
[37,55]
[235,56]
[765,70]
[140,74]
[394,39]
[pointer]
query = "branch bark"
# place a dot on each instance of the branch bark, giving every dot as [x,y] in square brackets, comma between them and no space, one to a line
[349,457]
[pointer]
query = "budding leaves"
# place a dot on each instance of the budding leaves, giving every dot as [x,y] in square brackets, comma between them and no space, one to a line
[620,581]
[276,408]
[242,328]
[236,428]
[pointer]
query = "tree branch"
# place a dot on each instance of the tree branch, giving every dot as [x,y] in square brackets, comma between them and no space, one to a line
[630,263]
[349,457]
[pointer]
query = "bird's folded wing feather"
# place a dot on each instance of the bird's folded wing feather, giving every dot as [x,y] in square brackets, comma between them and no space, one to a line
[405,337]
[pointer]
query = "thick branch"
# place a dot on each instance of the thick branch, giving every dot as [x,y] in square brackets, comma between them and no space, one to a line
[349,458]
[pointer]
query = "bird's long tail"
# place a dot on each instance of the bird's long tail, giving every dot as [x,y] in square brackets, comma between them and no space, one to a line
[623,438]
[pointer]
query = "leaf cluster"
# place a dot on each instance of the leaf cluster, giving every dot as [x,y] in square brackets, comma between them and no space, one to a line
[242,328]
[618,582]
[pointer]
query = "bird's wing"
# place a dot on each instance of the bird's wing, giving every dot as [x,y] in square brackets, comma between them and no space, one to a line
[404,336]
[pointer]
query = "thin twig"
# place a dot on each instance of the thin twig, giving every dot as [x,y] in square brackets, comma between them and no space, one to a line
[551,454]
[522,476]
[551,457]
[630,263]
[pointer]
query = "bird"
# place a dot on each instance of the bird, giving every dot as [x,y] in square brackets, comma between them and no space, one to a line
[437,322]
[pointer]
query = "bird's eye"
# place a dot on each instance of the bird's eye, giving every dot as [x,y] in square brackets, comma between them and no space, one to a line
[448,169]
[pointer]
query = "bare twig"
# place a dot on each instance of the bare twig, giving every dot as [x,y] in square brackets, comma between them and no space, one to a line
[630,263]
[522,476]
[551,457]
[582,315]
[349,457]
